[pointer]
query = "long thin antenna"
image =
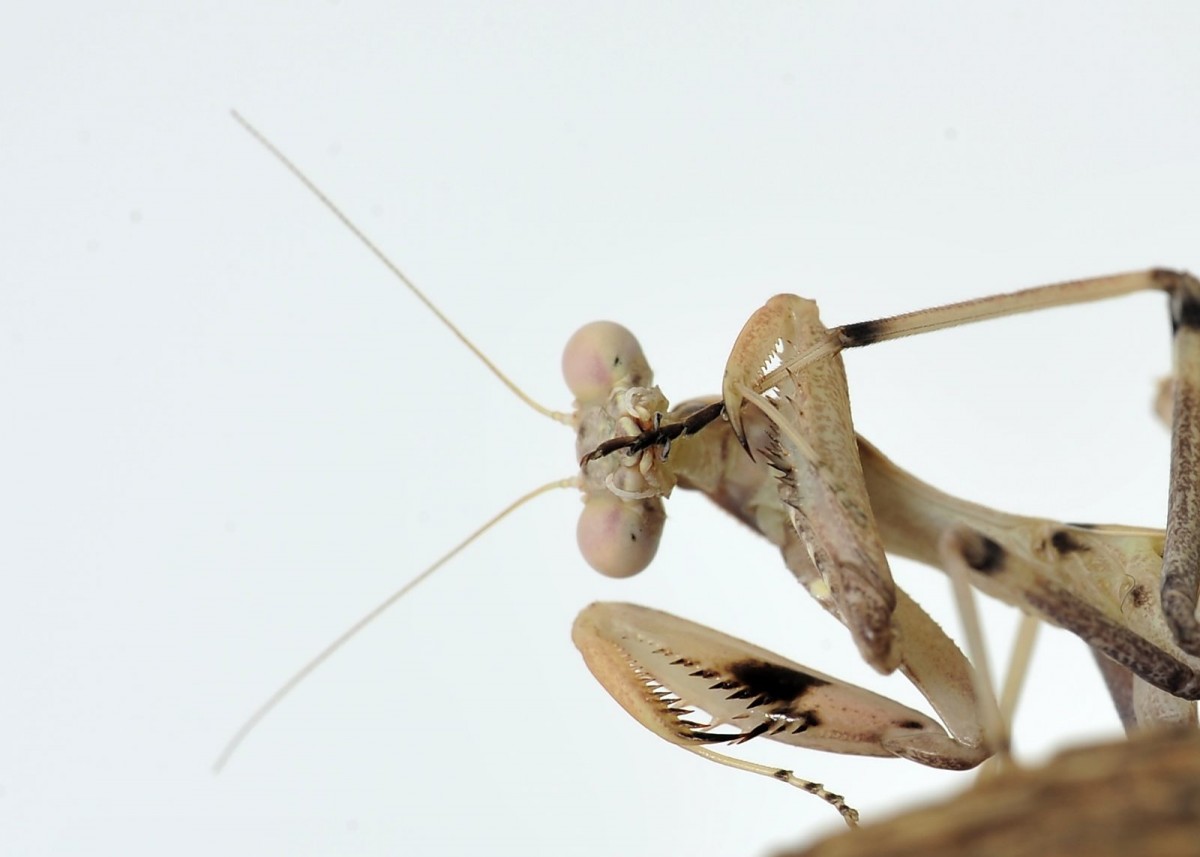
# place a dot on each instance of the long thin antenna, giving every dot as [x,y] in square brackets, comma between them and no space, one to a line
[558,416]
[304,672]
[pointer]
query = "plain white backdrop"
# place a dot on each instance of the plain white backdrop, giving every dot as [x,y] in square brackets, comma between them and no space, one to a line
[226,432]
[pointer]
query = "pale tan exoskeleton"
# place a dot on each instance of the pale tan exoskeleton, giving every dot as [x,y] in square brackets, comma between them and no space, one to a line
[832,503]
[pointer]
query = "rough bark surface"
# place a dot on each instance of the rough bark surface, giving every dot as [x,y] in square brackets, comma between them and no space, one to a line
[1140,796]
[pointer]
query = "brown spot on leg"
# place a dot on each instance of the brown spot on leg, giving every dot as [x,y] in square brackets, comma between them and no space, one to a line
[981,553]
[772,682]
[1066,543]
[862,333]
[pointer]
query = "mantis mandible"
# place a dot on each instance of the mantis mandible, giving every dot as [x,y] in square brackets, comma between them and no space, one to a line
[778,450]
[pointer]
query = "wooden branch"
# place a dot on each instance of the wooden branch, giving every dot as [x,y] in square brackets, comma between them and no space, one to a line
[1138,796]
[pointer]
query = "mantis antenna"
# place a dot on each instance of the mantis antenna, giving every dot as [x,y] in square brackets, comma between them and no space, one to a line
[300,675]
[557,416]
[288,686]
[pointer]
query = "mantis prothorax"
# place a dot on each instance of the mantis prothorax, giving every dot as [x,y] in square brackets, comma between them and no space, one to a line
[785,460]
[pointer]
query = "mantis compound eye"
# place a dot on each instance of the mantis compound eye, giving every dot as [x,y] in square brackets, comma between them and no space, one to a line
[619,537]
[600,356]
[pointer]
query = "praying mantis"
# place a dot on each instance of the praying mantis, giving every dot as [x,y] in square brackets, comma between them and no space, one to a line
[845,503]
[778,440]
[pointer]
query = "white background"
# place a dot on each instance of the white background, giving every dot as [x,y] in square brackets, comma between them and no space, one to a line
[226,432]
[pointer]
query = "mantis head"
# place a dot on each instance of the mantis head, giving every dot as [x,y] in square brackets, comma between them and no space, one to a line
[622,519]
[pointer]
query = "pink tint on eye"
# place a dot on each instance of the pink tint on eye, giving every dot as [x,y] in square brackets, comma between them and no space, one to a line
[618,537]
[598,356]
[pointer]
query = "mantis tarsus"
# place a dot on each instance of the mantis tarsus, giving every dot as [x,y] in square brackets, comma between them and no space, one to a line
[788,463]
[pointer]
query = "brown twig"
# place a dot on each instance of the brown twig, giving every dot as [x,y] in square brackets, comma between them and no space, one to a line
[1139,796]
